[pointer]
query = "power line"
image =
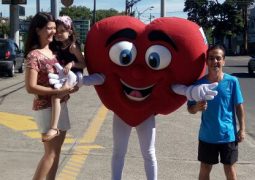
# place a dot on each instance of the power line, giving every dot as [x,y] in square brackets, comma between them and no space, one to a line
[166,12]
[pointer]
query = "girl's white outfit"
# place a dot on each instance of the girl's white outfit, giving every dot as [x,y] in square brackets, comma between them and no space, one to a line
[146,133]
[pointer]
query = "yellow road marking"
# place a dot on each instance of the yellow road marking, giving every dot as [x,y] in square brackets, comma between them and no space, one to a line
[72,169]
[17,122]
[69,141]
[74,165]
[91,133]
[81,150]
[26,125]
[70,173]
[33,134]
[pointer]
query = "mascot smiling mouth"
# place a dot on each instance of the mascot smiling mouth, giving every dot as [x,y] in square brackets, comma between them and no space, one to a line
[136,94]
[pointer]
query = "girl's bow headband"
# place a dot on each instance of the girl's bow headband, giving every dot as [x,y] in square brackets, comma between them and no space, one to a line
[66,20]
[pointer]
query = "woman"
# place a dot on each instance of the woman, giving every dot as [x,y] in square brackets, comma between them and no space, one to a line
[39,62]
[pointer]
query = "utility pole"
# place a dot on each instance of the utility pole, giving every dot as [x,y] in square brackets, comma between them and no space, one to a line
[94,13]
[163,9]
[126,8]
[54,8]
[37,6]
[14,22]
[151,17]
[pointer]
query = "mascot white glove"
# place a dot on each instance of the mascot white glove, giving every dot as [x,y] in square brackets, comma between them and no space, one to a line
[59,79]
[72,79]
[196,92]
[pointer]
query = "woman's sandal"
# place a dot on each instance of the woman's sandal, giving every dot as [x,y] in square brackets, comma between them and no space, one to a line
[47,138]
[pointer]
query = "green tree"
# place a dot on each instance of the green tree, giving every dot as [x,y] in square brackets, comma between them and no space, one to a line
[76,12]
[243,6]
[4,29]
[82,13]
[198,11]
[226,20]
[102,13]
[217,19]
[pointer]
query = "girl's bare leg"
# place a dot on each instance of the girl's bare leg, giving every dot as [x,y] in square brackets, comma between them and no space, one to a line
[56,108]
[55,114]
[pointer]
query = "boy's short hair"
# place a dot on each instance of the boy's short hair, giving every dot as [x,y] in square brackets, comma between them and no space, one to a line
[216,46]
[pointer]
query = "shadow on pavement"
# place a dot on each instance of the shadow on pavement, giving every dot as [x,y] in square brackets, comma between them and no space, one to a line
[236,66]
[243,75]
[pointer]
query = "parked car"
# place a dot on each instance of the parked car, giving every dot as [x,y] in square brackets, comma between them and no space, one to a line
[251,65]
[11,57]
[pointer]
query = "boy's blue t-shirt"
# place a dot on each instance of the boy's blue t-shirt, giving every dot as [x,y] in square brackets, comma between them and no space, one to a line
[218,121]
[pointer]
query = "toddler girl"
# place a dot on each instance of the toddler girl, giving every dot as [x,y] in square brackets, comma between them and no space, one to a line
[71,58]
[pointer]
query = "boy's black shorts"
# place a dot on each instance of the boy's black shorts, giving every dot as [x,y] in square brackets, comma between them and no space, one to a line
[209,153]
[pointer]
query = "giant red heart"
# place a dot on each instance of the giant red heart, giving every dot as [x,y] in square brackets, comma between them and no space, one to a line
[141,62]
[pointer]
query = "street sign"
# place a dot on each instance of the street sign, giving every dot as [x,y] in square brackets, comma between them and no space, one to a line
[67,3]
[21,11]
[14,1]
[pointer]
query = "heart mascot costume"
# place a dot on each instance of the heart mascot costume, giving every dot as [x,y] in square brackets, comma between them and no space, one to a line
[141,62]
[145,70]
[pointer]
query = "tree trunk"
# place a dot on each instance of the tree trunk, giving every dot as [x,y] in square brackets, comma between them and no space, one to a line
[245,33]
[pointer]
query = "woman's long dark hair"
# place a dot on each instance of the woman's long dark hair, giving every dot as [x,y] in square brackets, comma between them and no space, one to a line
[39,21]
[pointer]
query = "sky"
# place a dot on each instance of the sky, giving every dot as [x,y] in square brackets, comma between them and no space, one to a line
[173,7]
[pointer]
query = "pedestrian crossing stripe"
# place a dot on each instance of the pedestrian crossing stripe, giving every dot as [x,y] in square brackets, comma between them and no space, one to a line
[26,125]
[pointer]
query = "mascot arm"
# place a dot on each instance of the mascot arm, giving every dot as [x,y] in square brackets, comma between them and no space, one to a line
[93,79]
[196,92]
[74,79]
[59,79]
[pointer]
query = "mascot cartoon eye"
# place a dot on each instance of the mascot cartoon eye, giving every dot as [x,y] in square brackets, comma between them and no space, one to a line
[158,57]
[123,53]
